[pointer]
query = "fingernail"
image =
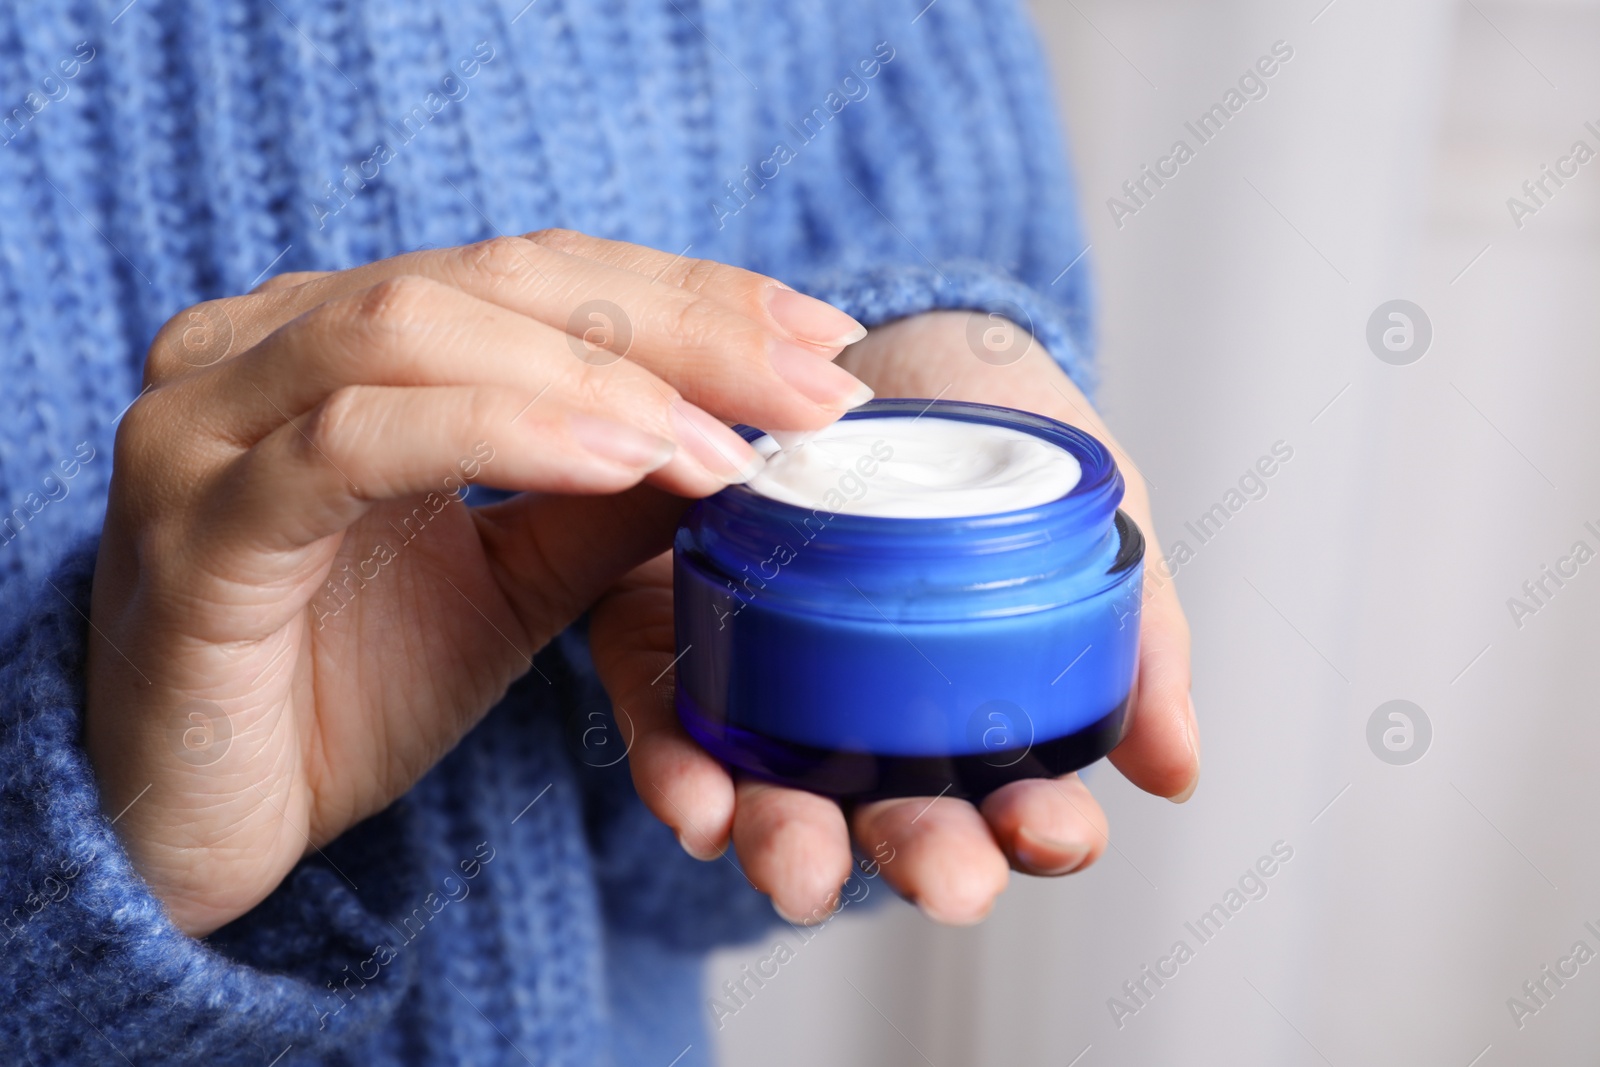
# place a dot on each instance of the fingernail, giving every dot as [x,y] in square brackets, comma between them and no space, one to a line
[952,920]
[719,450]
[792,920]
[1043,856]
[1193,728]
[813,919]
[700,854]
[817,379]
[809,319]
[791,438]
[1194,731]
[621,443]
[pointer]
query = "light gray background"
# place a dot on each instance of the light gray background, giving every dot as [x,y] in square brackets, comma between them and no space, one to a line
[1377,568]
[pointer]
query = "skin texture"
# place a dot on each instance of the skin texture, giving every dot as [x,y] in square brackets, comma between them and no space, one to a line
[952,859]
[242,711]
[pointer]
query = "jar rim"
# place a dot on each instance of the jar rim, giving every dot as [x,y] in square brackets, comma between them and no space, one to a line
[1099,487]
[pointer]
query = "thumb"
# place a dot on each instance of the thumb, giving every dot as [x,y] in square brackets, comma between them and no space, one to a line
[555,555]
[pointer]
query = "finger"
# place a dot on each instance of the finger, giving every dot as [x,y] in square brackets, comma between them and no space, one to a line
[631,637]
[214,331]
[317,474]
[803,318]
[794,847]
[1161,752]
[941,855]
[1046,826]
[412,331]
[556,554]
[799,317]
[734,354]
[289,279]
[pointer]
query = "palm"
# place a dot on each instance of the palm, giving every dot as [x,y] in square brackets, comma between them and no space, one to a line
[330,702]
[241,712]
[411,643]
[949,856]
[281,655]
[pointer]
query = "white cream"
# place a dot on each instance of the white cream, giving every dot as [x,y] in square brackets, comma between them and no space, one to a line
[915,468]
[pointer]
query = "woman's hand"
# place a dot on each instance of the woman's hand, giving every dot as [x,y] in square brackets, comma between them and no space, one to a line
[948,856]
[295,616]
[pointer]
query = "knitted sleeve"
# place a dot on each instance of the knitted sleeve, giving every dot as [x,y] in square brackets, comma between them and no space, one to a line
[91,970]
[949,186]
[876,295]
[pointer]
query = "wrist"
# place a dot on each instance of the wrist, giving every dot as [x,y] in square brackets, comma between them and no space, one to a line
[944,355]
[967,355]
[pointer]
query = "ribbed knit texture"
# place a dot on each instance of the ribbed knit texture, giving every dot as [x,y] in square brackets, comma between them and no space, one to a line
[194,150]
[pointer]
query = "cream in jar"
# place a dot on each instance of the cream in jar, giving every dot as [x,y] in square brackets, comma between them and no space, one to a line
[921,468]
[927,598]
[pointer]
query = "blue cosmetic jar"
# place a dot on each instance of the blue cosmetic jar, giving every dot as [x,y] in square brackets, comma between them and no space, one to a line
[863,657]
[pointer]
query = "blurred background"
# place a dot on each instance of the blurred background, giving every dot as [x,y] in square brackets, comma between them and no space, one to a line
[1432,876]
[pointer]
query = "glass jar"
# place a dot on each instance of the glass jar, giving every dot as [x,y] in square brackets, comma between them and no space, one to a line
[863,657]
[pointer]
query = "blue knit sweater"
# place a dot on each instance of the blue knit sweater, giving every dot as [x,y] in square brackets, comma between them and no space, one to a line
[518,905]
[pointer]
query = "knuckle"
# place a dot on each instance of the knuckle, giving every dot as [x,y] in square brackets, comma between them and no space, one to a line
[160,458]
[697,321]
[170,331]
[590,387]
[505,259]
[333,420]
[392,306]
[557,238]
[702,275]
[137,433]
[735,287]
[288,280]
[334,425]
[705,324]
[195,337]
[486,408]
